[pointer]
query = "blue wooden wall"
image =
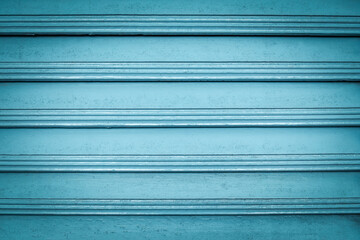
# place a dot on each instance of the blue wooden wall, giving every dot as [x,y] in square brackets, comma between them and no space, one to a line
[177,119]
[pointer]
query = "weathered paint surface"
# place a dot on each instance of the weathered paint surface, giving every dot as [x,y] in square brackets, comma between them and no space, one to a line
[198,7]
[243,124]
[182,227]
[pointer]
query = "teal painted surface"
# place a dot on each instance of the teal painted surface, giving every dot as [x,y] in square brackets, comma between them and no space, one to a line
[160,17]
[167,95]
[243,124]
[181,227]
[179,49]
[66,24]
[172,186]
[180,207]
[181,71]
[210,7]
[181,141]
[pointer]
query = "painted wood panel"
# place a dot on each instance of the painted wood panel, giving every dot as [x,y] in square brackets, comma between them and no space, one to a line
[281,227]
[178,49]
[65,24]
[180,150]
[134,7]
[179,119]
[201,17]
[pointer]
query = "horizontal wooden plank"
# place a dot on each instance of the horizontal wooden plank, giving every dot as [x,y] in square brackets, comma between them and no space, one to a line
[180,150]
[179,25]
[114,118]
[246,7]
[186,49]
[211,96]
[179,163]
[180,141]
[180,71]
[280,227]
[187,207]
[180,185]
